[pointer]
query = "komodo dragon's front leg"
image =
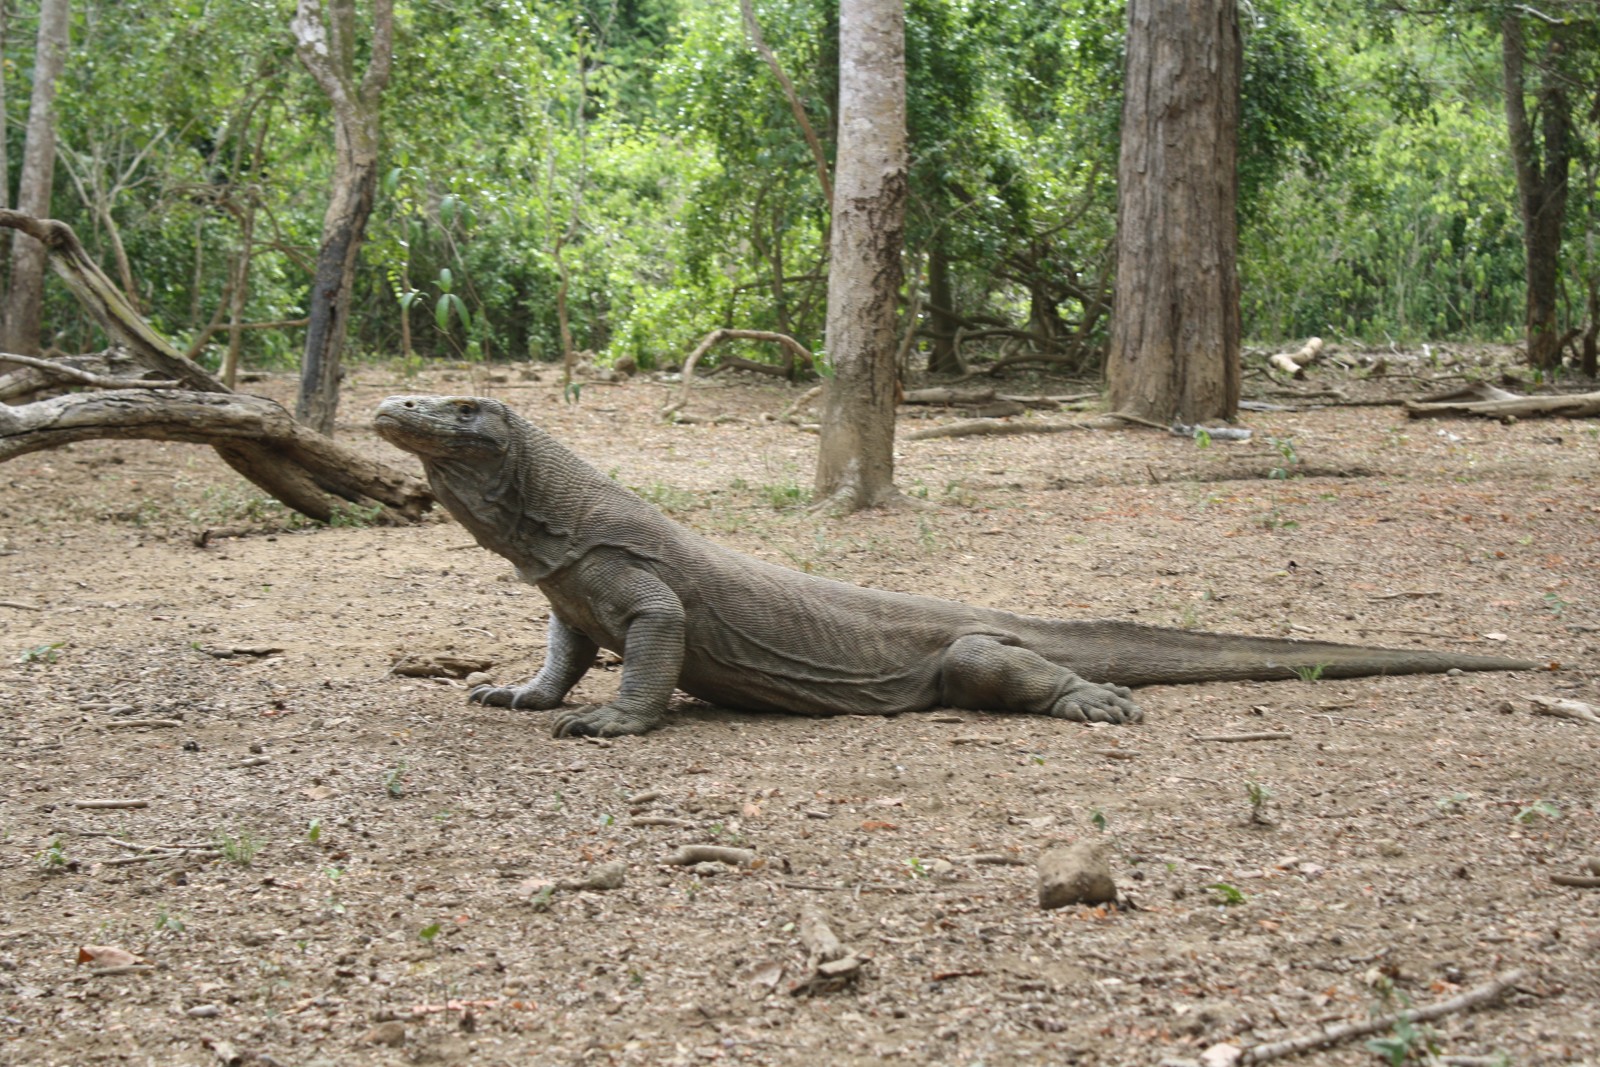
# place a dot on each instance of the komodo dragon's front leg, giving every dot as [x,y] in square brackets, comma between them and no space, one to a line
[567,658]
[989,675]
[605,598]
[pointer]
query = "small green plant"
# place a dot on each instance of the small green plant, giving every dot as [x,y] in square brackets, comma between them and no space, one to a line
[1555,605]
[1453,803]
[1408,1041]
[428,933]
[354,516]
[314,831]
[572,392]
[1259,796]
[1312,673]
[1202,438]
[167,923]
[785,496]
[53,857]
[394,780]
[1226,895]
[668,498]
[1098,818]
[560,801]
[238,850]
[1539,809]
[915,868]
[42,653]
[1287,453]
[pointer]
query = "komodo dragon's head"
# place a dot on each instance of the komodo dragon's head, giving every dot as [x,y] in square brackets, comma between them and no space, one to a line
[445,427]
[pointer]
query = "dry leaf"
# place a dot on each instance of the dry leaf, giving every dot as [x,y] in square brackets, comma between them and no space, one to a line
[106,955]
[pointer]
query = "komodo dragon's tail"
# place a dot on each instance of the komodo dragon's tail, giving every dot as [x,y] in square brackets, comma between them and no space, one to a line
[1133,654]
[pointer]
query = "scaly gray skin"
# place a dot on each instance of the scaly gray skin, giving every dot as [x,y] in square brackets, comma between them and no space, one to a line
[686,613]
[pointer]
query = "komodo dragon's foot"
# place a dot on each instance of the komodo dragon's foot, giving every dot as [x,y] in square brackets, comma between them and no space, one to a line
[606,720]
[1096,702]
[513,697]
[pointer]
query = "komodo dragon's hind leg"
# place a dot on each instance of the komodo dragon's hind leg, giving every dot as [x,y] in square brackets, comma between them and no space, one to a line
[982,673]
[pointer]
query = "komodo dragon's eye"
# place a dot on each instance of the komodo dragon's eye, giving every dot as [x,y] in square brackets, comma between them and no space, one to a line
[466,410]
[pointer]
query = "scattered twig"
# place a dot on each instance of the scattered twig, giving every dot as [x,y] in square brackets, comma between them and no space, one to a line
[1265,735]
[1577,881]
[661,820]
[165,854]
[1335,1035]
[997,858]
[689,855]
[107,804]
[126,968]
[18,605]
[113,724]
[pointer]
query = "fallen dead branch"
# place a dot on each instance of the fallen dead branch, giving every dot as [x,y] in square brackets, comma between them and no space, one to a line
[74,374]
[107,805]
[1577,881]
[308,472]
[1572,406]
[1265,735]
[793,350]
[1565,709]
[689,855]
[1337,1035]
[1295,363]
[996,428]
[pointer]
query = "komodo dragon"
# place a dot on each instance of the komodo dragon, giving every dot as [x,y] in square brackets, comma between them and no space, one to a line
[689,614]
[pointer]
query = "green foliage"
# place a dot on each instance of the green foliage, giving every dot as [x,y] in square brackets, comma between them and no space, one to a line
[238,849]
[42,653]
[1226,895]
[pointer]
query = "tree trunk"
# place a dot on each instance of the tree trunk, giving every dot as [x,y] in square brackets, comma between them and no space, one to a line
[944,358]
[1175,330]
[855,461]
[1541,182]
[324,33]
[25,301]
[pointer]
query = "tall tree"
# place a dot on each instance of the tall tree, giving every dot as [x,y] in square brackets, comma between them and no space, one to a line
[1541,152]
[1175,330]
[325,40]
[855,461]
[25,301]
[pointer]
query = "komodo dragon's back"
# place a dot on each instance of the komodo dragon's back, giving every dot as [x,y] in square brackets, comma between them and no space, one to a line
[688,613]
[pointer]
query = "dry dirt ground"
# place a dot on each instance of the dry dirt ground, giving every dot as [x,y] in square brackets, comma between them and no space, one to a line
[361,868]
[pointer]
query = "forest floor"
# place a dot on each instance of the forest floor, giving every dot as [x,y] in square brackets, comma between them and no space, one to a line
[360,868]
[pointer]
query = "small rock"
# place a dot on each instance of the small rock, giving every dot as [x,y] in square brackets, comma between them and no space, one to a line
[204,1011]
[1390,848]
[477,678]
[392,1034]
[1076,874]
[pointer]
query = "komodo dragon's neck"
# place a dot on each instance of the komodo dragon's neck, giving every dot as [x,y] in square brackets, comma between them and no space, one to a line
[534,505]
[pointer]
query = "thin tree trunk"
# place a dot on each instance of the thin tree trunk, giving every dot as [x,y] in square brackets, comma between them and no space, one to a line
[1541,184]
[25,300]
[945,358]
[325,42]
[1175,332]
[855,460]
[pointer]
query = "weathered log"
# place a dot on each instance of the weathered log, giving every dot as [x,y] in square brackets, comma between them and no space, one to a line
[1572,406]
[306,467]
[305,470]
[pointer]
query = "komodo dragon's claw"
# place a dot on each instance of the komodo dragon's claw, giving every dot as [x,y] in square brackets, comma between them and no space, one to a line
[1094,702]
[601,721]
